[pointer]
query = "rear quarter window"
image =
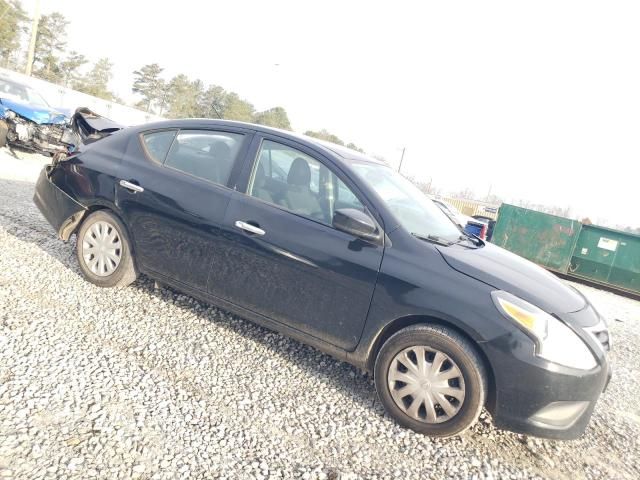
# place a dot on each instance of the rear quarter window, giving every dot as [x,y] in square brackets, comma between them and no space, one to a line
[157,144]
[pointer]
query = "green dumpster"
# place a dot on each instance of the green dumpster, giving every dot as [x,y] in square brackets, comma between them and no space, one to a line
[588,252]
[607,256]
[545,239]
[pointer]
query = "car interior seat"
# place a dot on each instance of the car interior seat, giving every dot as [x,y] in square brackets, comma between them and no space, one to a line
[222,161]
[299,197]
[258,190]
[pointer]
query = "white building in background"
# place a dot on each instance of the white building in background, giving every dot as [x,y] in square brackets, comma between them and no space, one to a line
[65,98]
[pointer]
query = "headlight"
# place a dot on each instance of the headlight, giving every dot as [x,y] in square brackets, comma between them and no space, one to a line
[554,340]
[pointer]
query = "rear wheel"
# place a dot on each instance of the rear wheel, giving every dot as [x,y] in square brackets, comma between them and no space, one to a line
[431,379]
[104,252]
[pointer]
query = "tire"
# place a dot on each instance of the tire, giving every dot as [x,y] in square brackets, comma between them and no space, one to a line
[102,236]
[458,371]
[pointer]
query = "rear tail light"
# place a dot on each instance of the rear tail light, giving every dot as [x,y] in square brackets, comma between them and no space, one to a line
[483,233]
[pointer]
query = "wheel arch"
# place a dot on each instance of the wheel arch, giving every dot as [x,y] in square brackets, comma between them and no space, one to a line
[92,208]
[407,321]
[95,207]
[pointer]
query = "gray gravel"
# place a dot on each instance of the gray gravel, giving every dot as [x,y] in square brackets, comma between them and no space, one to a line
[146,383]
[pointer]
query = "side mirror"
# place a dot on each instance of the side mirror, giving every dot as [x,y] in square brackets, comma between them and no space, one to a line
[356,223]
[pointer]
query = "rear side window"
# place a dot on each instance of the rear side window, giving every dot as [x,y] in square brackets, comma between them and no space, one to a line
[205,154]
[158,143]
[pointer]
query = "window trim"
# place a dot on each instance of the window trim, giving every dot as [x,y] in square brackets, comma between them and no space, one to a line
[146,151]
[237,163]
[338,174]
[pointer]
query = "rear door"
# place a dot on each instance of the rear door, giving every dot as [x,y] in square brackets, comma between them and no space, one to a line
[283,259]
[174,189]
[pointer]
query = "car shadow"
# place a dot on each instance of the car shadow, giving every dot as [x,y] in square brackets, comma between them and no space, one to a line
[350,380]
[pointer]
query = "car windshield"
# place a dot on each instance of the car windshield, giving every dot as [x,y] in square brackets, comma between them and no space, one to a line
[413,209]
[21,93]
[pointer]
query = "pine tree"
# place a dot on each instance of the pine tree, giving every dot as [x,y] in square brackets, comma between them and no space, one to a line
[149,84]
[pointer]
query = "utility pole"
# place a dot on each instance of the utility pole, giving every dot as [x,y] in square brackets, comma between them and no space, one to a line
[488,193]
[401,158]
[32,41]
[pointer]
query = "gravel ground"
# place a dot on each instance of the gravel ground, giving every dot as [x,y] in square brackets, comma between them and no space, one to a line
[146,383]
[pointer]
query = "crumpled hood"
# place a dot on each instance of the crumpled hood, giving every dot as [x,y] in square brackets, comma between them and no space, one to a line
[38,114]
[509,272]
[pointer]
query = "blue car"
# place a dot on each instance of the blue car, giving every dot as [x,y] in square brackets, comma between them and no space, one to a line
[27,121]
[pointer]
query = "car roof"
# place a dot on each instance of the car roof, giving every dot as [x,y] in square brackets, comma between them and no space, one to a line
[344,153]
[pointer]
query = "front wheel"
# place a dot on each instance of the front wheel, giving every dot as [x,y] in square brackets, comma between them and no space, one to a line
[431,379]
[104,251]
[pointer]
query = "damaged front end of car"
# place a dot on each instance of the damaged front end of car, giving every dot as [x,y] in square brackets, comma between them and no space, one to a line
[38,129]
[47,132]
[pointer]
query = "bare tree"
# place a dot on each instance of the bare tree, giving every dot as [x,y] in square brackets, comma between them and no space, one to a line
[467,193]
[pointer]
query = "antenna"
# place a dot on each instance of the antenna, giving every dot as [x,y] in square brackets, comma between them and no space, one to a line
[401,158]
[213,105]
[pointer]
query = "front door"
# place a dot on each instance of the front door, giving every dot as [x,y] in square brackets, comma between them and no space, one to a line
[284,260]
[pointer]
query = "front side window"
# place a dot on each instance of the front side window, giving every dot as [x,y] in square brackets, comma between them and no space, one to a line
[205,154]
[292,179]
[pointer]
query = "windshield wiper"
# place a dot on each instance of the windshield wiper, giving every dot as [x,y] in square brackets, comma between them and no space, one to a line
[469,237]
[433,239]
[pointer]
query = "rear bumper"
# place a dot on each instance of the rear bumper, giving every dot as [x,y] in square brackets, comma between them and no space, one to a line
[539,398]
[60,210]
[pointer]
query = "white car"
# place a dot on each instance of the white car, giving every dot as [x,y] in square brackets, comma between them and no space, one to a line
[461,219]
[452,212]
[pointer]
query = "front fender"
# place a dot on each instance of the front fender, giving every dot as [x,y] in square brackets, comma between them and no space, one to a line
[415,284]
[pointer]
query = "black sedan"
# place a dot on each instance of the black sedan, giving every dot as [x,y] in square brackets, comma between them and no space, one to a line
[337,250]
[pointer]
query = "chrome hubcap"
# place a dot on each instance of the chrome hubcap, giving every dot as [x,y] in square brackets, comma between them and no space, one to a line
[102,249]
[426,384]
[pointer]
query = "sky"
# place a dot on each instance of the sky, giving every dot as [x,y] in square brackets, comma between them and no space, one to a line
[538,101]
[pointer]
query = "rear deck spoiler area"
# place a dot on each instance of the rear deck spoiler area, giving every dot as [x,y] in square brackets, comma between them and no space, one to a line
[89,126]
